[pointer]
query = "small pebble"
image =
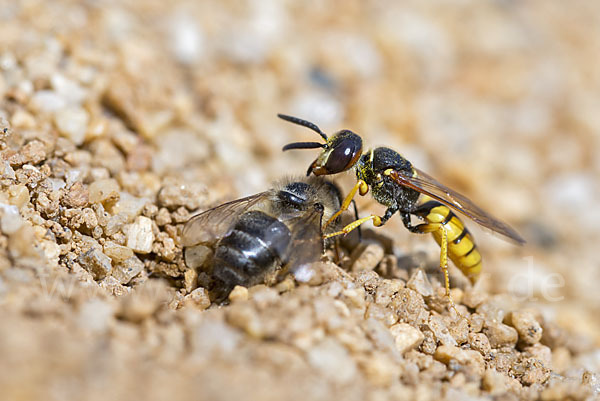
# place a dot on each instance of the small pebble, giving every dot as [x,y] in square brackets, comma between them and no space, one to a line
[127,269]
[196,256]
[473,298]
[10,219]
[72,123]
[140,236]
[77,196]
[467,358]
[33,152]
[420,283]
[47,101]
[128,206]
[500,335]
[541,352]
[239,293]
[104,191]
[479,342]
[97,263]
[406,337]
[190,195]
[7,171]
[18,195]
[117,253]
[530,331]
[198,298]
[163,217]
[410,307]
[367,257]
[190,280]
[437,325]
[529,371]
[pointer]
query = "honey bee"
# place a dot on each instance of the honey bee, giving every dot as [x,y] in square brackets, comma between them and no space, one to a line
[404,189]
[260,237]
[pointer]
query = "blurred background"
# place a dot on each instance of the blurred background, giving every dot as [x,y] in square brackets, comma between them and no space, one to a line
[497,99]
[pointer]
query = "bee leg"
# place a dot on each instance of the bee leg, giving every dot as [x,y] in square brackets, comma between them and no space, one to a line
[336,247]
[356,217]
[360,187]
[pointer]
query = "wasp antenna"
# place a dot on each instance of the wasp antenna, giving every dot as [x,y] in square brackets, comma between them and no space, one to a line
[303,145]
[304,123]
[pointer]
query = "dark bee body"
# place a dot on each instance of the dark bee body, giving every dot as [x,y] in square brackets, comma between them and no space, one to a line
[254,237]
[255,246]
[397,184]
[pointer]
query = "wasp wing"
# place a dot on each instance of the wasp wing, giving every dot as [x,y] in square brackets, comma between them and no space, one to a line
[215,223]
[427,185]
[306,245]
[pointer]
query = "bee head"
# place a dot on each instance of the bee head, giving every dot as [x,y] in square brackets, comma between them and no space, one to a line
[340,152]
[296,195]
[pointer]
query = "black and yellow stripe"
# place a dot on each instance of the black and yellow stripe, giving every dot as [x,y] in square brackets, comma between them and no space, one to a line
[460,244]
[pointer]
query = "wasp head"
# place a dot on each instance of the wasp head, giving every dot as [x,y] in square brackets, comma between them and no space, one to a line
[340,152]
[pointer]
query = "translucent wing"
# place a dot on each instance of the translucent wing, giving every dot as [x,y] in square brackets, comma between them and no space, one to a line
[425,184]
[307,242]
[216,222]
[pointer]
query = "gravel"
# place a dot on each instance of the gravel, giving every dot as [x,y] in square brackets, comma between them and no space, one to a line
[118,123]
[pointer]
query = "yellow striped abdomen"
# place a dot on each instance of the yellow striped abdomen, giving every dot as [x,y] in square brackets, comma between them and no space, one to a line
[461,246]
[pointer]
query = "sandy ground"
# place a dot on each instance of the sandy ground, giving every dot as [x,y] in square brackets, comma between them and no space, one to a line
[120,120]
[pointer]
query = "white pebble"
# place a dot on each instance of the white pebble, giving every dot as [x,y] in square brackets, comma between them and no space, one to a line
[69,90]
[129,206]
[187,41]
[47,101]
[140,236]
[11,220]
[7,171]
[406,337]
[72,123]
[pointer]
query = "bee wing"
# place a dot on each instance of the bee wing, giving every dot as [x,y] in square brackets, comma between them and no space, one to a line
[425,184]
[215,223]
[306,244]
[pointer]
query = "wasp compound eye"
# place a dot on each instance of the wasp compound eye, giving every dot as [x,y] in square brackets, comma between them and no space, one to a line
[346,148]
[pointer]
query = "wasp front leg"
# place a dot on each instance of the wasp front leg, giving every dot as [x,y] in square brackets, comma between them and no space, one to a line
[377,222]
[360,187]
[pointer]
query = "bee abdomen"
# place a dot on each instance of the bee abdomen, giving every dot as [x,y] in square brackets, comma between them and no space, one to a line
[256,245]
[462,249]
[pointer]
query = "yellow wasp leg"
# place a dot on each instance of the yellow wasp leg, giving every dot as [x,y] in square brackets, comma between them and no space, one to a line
[355,224]
[362,188]
[431,227]
[444,266]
